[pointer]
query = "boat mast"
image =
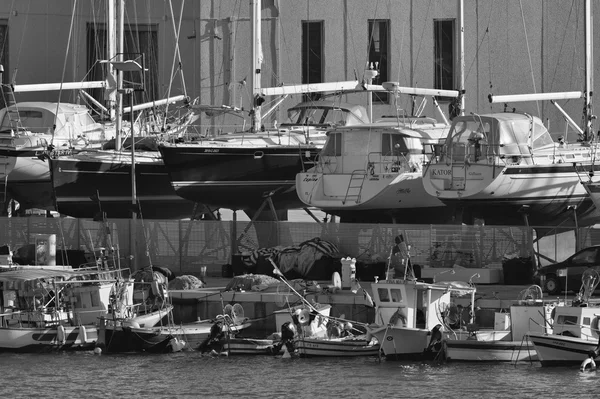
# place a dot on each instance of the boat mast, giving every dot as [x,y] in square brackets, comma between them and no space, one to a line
[120,23]
[255,20]
[112,45]
[589,83]
[461,60]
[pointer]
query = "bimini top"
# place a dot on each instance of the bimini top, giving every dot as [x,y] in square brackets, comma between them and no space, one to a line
[39,116]
[326,112]
[510,132]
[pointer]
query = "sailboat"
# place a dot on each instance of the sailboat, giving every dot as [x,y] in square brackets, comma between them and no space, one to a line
[373,172]
[261,163]
[505,168]
[100,179]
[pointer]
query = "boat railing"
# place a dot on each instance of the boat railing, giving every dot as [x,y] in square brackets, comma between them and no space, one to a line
[377,163]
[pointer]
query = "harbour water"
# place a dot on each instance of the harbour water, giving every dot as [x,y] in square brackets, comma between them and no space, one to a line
[189,374]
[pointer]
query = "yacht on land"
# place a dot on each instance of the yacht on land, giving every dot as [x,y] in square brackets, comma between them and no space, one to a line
[373,172]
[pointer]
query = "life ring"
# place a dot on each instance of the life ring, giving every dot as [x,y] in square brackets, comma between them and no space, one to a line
[588,362]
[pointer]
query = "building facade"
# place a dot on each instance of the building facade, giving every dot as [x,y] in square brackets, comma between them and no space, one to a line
[510,47]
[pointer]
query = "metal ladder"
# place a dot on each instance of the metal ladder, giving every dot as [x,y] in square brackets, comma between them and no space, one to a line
[354,190]
[14,118]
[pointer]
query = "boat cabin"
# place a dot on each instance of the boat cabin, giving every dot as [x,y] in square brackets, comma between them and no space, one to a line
[412,303]
[575,321]
[378,149]
[482,138]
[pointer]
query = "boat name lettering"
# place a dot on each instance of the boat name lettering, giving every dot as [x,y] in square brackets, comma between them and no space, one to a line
[441,172]
[403,191]
[310,178]
[211,150]
[58,153]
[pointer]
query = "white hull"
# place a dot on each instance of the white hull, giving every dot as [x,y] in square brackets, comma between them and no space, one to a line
[335,347]
[45,339]
[249,346]
[403,343]
[559,350]
[331,192]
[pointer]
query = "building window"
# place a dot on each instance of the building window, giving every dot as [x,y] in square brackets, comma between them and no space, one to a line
[139,39]
[4,57]
[379,50]
[312,55]
[443,33]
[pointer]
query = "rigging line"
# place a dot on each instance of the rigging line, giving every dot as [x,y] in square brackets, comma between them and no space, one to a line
[176,55]
[562,44]
[529,54]
[485,34]
[64,67]
[14,76]
[422,35]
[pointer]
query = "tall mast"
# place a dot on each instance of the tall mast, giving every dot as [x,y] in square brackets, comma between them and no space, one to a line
[255,20]
[120,23]
[111,50]
[589,80]
[461,55]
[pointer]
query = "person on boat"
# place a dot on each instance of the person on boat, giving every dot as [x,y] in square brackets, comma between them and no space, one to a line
[400,259]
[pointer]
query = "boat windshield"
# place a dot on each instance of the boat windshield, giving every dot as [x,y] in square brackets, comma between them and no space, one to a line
[331,116]
[37,121]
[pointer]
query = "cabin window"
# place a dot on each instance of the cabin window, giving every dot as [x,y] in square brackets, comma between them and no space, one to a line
[586,321]
[312,55]
[396,295]
[95,299]
[393,145]
[333,147]
[541,137]
[566,320]
[4,56]
[139,39]
[443,47]
[384,294]
[379,50]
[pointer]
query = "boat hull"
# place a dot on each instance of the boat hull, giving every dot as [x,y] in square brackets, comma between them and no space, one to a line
[237,178]
[16,339]
[385,197]
[77,180]
[121,339]
[399,343]
[489,351]
[487,191]
[561,350]
[250,346]
[335,347]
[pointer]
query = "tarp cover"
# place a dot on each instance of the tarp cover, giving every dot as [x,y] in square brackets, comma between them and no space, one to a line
[185,282]
[299,259]
[251,282]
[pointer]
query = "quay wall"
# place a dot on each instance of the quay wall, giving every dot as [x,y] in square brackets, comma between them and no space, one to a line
[185,246]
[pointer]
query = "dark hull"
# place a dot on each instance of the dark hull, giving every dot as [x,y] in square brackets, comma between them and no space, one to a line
[77,180]
[237,178]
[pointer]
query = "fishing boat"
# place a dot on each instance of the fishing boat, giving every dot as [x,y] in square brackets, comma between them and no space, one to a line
[170,337]
[508,341]
[575,333]
[373,172]
[55,308]
[409,317]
